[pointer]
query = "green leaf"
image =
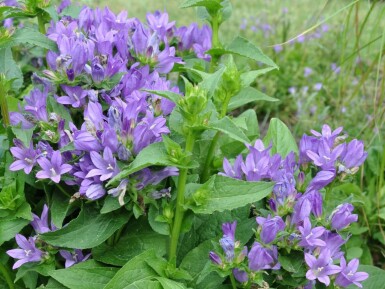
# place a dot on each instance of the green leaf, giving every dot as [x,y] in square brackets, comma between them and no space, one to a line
[85,275]
[247,78]
[159,227]
[209,4]
[211,82]
[59,208]
[10,226]
[354,252]
[293,263]
[376,278]
[134,270]
[227,126]
[247,95]
[88,230]
[30,36]
[53,284]
[52,12]
[195,262]
[147,283]
[170,284]
[25,135]
[43,269]
[11,70]
[59,109]
[153,155]
[243,47]
[72,10]
[280,136]
[174,97]
[222,193]
[139,237]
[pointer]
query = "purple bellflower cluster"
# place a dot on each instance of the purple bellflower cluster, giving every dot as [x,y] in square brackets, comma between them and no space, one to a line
[296,217]
[34,249]
[103,65]
[89,113]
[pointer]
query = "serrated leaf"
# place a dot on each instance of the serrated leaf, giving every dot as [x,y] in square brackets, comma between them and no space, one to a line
[140,237]
[170,284]
[153,155]
[52,284]
[249,77]
[243,47]
[10,226]
[30,36]
[211,82]
[225,193]
[280,136]
[88,230]
[11,70]
[247,95]
[133,271]
[85,275]
[227,126]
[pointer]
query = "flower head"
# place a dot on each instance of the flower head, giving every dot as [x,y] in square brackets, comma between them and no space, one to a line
[321,268]
[27,252]
[349,274]
[54,168]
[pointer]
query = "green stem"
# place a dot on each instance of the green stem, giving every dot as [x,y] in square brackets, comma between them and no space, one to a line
[41,24]
[3,101]
[233,283]
[215,42]
[7,276]
[211,152]
[179,211]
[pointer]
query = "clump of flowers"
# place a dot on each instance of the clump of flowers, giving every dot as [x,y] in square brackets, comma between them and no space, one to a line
[36,250]
[296,223]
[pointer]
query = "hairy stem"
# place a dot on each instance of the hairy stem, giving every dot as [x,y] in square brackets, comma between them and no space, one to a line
[179,211]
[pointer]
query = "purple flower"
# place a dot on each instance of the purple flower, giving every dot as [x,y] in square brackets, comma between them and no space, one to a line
[233,171]
[349,274]
[76,96]
[307,72]
[54,168]
[326,155]
[270,227]
[40,225]
[26,157]
[263,258]
[302,210]
[310,237]
[342,216]
[333,243]
[352,157]
[215,258]
[27,252]
[240,275]
[307,143]
[321,180]
[73,258]
[105,166]
[228,240]
[321,268]
[328,134]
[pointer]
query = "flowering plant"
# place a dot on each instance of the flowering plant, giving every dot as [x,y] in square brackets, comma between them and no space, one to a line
[120,144]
